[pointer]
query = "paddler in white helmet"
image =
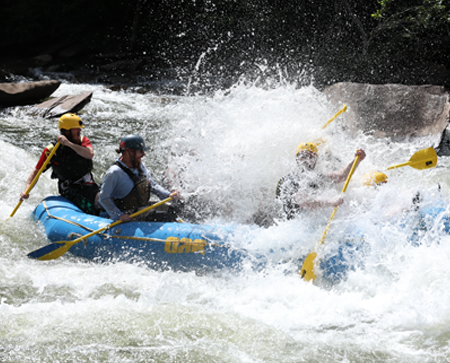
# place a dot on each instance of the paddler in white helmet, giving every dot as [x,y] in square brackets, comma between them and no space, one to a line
[302,189]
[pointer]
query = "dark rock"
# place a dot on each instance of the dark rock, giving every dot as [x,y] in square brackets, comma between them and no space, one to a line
[395,111]
[71,51]
[43,59]
[443,148]
[123,65]
[59,106]
[26,93]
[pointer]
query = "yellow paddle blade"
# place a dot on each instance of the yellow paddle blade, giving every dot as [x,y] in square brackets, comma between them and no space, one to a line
[60,249]
[307,270]
[422,159]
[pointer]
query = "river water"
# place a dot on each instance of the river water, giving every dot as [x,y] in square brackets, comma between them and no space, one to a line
[231,148]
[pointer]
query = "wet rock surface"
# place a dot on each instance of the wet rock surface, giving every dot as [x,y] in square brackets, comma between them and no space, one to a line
[26,93]
[394,111]
[58,106]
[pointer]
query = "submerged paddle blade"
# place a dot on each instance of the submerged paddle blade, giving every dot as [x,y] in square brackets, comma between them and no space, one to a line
[43,167]
[422,159]
[15,210]
[51,251]
[307,270]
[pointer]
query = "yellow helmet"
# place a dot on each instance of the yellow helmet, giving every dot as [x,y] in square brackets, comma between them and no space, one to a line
[70,121]
[307,146]
[374,178]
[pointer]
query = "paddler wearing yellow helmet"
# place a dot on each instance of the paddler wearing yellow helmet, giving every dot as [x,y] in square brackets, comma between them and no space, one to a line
[71,164]
[301,190]
[374,178]
[307,146]
[377,178]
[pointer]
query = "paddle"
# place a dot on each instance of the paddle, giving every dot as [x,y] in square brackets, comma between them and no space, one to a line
[57,249]
[321,141]
[307,270]
[343,109]
[36,178]
[422,159]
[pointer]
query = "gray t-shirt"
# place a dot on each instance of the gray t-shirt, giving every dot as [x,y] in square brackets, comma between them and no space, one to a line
[117,185]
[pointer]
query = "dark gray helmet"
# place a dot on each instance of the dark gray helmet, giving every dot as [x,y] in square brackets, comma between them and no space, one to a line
[135,142]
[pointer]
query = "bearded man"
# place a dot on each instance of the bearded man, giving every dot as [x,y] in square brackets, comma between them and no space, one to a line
[127,185]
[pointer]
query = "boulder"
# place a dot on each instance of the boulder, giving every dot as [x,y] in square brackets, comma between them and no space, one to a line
[26,93]
[394,111]
[56,107]
[443,149]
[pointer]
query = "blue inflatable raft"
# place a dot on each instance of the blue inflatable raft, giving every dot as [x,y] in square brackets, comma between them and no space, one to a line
[161,246]
[173,246]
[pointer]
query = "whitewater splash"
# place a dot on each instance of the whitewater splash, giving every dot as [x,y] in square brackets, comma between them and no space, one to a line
[231,148]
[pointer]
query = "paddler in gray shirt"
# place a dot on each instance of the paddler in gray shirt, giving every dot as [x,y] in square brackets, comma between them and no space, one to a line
[127,185]
[302,189]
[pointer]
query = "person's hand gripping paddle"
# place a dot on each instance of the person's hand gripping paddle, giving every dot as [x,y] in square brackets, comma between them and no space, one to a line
[36,178]
[307,270]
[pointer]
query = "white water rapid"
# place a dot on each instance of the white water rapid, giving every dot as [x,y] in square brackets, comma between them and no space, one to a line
[232,148]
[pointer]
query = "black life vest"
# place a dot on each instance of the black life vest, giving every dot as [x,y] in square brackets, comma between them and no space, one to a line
[139,195]
[67,165]
[287,187]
